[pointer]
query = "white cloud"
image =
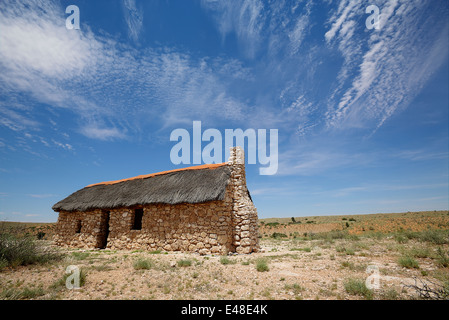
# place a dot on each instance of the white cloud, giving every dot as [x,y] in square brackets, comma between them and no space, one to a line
[392,70]
[244,18]
[42,196]
[110,87]
[102,133]
[64,146]
[35,41]
[134,18]
[346,10]
[300,30]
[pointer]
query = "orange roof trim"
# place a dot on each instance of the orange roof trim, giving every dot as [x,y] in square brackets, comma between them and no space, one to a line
[204,166]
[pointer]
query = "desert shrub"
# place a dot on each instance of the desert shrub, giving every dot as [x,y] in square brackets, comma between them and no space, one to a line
[358,287]
[408,262]
[225,260]
[331,235]
[400,238]
[434,236]
[272,224]
[23,250]
[3,263]
[442,257]
[419,252]
[390,294]
[79,255]
[143,264]
[13,293]
[31,293]
[278,235]
[184,263]
[296,288]
[262,265]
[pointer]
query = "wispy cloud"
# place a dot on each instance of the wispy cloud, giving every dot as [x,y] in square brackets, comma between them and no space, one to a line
[398,61]
[244,18]
[64,146]
[420,155]
[111,88]
[102,133]
[134,18]
[42,196]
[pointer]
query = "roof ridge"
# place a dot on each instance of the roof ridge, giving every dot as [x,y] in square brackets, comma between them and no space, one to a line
[200,167]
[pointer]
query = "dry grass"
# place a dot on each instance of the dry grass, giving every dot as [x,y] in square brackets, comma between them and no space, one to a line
[320,265]
[357,224]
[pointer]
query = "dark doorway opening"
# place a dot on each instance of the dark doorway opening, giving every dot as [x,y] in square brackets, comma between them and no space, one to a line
[78,226]
[138,214]
[104,233]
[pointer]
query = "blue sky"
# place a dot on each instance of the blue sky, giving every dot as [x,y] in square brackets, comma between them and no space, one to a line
[362,114]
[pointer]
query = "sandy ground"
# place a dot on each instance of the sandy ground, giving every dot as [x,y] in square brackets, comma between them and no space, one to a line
[297,269]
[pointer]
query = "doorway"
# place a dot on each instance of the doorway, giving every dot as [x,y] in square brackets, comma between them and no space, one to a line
[104,231]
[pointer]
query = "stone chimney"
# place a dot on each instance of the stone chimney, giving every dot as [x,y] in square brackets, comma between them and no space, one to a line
[244,213]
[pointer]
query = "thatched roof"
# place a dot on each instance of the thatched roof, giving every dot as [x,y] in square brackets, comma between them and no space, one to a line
[188,185]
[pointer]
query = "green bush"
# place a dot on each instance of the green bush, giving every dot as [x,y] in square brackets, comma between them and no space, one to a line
[278,235]
[12,293]
[262,265]
[435,236]
[23,250]
[400,238]
[272,224]
[225,260]
[408,262]
[79,255]
[143,264]
[442,258]
[358,287]
[184,263]
[331,235]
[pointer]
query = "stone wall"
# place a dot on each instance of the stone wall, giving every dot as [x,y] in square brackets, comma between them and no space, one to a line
[81,229]
[245,220]
[204,228]
[215,227]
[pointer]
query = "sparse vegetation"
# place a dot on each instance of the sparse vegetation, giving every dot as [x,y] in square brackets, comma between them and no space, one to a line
[320,260]
[184,263]
[408,262]
[225,260]
[355,286]
[442,257]
[262,265]
[17,250]
[278,235]
[143,264]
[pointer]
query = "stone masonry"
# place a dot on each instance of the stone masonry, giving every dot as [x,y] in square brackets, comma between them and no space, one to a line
[214,227]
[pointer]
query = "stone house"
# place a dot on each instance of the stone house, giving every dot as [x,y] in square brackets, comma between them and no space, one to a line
[206,209]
